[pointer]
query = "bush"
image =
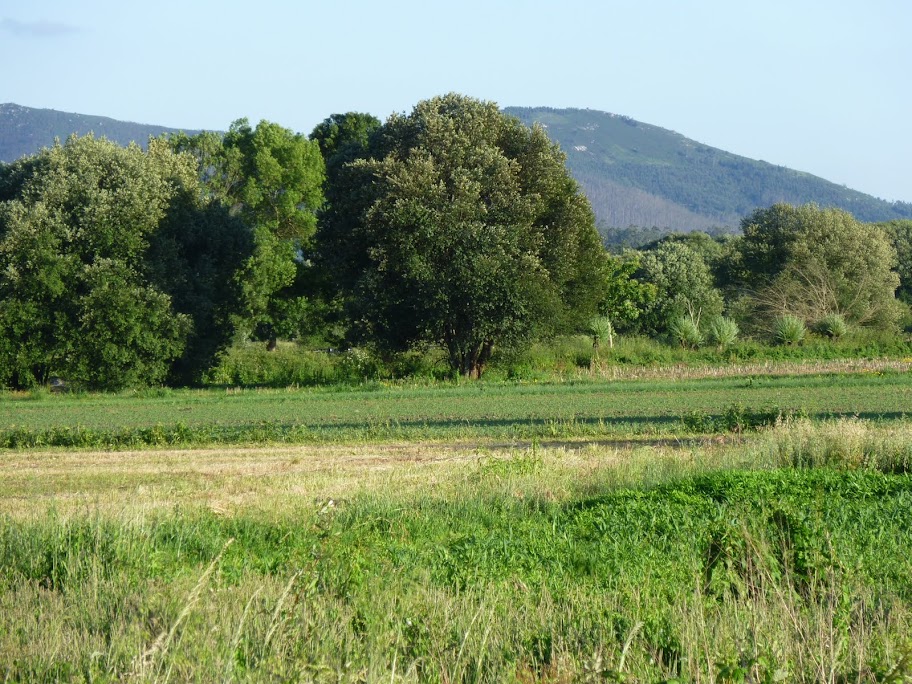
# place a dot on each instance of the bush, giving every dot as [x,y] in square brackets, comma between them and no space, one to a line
[251,364]
[739,418]
[686,331]
[789,330]
[357,364]
[602,331]
[832,326]
[722,332]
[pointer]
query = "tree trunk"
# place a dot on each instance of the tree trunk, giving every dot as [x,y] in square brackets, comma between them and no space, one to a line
[483,357]
[272,344]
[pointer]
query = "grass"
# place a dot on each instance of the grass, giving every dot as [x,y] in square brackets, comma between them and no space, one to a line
[776,556]
[481,411]
[593,528]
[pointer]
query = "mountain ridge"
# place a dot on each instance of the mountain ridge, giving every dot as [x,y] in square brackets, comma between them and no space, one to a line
[641,174]
[634,173]
[25,130]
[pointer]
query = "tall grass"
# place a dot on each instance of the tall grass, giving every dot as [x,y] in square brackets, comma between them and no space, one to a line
[513,569]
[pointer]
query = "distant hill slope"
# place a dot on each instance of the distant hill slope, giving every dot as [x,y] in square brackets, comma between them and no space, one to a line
[633,173]
[24,130]
[638,174]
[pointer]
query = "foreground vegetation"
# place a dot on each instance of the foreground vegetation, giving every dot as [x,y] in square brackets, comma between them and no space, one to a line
[776,558]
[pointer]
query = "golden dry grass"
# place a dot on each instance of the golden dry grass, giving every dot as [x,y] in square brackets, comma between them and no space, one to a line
[607,371]
[277,478]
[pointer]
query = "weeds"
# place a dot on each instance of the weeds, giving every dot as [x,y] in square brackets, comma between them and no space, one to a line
[726,576]
[738,418]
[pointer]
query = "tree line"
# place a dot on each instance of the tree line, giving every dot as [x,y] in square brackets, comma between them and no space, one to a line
[453,225]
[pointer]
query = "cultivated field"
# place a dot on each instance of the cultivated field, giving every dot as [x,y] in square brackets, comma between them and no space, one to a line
[471,547]
[583,408]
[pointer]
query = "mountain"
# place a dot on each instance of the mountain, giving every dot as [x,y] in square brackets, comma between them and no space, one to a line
[24,130]
[634,174]
[638,174]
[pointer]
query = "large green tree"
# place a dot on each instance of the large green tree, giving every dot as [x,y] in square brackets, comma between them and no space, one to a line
[461,226]
[625,299]
[272,179]
[811,262]
[81,295]
[342,137]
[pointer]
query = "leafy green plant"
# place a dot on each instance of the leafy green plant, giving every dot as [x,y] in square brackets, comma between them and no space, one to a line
[358,364]
[833,326]
[789,330]
[722,332]
[686,331]
[601,330]
[739,418]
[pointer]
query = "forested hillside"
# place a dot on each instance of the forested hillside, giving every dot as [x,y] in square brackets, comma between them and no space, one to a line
[638,174]
[633,173]
[24,130]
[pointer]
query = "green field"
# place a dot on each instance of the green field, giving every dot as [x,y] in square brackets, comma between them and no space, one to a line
[416,535]
[779,558]
[445,411]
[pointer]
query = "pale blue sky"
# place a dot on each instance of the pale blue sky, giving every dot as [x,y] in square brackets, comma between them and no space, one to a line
[820,86]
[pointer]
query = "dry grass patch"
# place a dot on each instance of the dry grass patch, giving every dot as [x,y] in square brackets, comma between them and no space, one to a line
[280,479]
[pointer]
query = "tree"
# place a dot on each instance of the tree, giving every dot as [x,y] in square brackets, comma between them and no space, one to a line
[899,233]
[75,299]
[710,249]
[812,262]
[114,271]
[624,299]
[196,256]
[271,178]
[342,137]
[462,227]
[683,283]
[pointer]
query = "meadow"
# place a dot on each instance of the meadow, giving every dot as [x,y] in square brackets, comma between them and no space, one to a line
[582,530]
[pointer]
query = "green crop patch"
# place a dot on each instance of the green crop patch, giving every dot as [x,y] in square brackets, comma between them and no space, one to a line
[442,411]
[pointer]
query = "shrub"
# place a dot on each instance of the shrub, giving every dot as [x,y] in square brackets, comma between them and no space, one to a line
[722,332]
[789,330]
[686,331]
[739,418]
[833,326]
[602,331]
[357,364]
[251,364]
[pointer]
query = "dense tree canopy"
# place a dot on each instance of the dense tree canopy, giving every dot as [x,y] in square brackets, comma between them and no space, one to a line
[80,294]
[900,235]
[343,137]
[812,262]
[463,227]
[684,286]
[272,179]
[454,226]
[624,298]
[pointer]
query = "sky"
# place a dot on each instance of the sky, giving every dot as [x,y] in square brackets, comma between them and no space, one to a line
[819,86]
